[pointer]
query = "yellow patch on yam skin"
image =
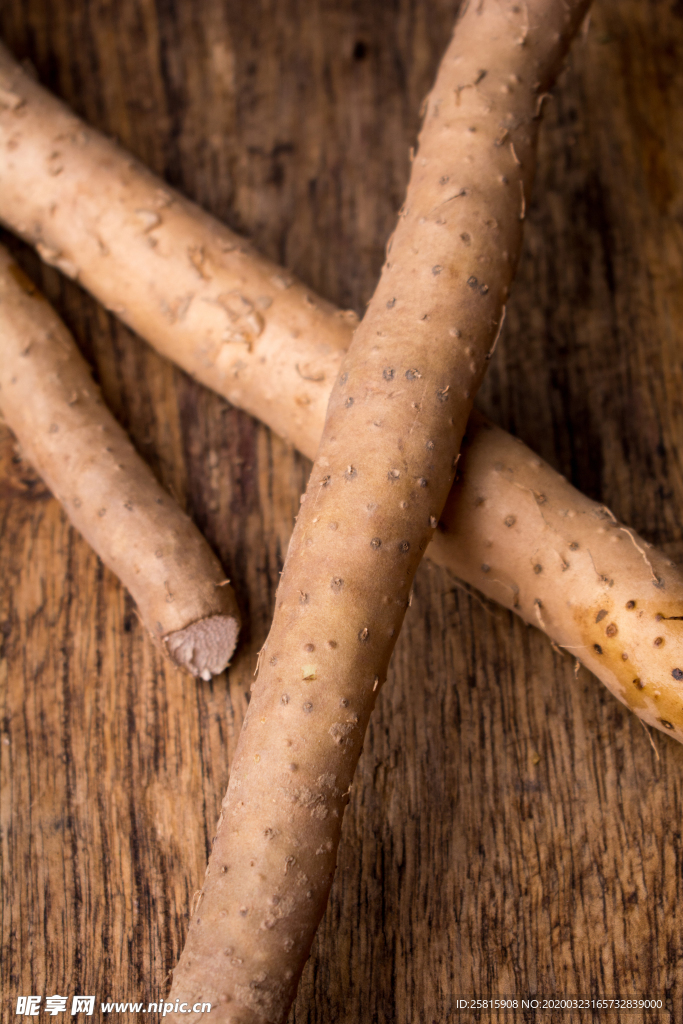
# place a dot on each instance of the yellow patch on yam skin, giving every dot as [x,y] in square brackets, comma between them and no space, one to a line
[649,680]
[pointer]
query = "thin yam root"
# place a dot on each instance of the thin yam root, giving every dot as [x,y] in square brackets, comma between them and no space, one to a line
[52,405]
[382,476]
[508,514]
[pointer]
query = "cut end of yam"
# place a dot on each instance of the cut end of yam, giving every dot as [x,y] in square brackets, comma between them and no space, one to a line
[205,647]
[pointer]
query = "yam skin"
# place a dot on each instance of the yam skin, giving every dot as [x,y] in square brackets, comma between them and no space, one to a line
[494,536]
[50,402]
[385,465]
[88,215]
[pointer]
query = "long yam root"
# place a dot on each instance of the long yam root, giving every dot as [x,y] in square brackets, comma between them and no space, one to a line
[511,524]
[386,462]
[54,408]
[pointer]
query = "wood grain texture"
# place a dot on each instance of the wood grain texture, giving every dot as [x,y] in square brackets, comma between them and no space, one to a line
[511,829]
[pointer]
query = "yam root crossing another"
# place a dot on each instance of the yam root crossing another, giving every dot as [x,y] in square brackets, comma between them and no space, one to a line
[512,527]
[386,461]
[50,402]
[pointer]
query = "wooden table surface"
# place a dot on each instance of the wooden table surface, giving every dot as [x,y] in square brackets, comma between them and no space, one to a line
[512,830]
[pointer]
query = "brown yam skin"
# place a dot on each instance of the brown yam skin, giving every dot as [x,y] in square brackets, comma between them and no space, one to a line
[49,400]
[87,215]
[382,474]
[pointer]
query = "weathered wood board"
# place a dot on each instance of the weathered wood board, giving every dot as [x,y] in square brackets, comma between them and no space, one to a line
[512,830]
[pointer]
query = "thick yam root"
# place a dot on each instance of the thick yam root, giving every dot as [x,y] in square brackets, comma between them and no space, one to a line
[50,402]
[385,464]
